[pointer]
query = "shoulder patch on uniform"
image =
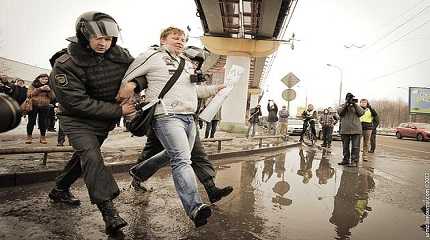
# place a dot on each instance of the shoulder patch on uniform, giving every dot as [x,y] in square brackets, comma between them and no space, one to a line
[61,80]
[63,58]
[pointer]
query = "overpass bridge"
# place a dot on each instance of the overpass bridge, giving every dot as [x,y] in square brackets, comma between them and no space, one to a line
[246,33]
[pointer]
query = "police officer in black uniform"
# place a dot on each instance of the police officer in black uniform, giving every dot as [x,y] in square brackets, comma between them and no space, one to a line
[86,80]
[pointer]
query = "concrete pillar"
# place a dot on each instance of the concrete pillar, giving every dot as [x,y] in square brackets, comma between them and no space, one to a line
[253,100]
[233,113]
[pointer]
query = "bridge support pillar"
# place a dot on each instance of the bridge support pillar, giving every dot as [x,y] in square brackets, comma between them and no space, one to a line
[233,113]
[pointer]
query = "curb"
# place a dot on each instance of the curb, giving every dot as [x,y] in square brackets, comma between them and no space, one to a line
[25,178]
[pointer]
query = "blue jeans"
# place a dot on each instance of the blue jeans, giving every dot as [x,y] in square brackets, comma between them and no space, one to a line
[177,135]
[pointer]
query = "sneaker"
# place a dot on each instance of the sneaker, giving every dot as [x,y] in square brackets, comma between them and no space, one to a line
[218,193]
[201,214]
[64,196]
[137,182]
[29,139]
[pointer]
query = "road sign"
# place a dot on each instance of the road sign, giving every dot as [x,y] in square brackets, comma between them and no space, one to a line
[290,80]
[289,94]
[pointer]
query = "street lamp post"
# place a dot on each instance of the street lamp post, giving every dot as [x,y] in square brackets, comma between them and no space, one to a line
[341,79]
[306,92]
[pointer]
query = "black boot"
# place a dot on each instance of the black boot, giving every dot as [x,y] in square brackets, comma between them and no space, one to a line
[214,193]
[111,218]
[64,196]
[201,214]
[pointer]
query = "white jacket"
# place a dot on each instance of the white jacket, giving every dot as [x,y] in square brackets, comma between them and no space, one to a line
[182,97]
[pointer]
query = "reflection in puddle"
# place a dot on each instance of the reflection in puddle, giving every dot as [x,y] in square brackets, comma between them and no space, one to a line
[298,195]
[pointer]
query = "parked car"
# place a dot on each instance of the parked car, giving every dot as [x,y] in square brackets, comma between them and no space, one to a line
[419,131]
[336,133]
[295,126]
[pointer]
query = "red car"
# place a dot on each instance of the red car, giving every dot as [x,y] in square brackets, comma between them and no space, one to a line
[419,131]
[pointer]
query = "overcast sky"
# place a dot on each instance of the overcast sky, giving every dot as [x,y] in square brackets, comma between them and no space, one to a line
[395,33]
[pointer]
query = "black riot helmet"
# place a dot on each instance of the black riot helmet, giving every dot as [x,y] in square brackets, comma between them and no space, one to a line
[92,24]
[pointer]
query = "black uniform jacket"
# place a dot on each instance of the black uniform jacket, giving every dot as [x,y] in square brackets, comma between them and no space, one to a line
[85,84]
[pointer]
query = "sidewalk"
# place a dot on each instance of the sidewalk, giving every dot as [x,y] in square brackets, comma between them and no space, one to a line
[120,151]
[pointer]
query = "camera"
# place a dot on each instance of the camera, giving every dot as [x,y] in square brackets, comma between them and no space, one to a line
[197,55]
[198,76]
[10,113]
[352,100]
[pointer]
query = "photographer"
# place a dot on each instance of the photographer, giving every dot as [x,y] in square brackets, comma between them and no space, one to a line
[5,86]
[20,91]
[10,113]
[350,130]
[272,117]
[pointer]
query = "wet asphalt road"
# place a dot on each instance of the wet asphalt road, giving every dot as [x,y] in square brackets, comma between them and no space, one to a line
[299,194]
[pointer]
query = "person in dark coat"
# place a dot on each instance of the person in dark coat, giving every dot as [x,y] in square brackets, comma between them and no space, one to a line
[328,120]
[86,80]
[254,115]
[272,118]
[20,91]
[375,124]
[41,95]
[211,126]
[350,130]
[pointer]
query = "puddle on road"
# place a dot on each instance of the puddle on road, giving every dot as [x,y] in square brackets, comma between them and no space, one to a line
[301,195]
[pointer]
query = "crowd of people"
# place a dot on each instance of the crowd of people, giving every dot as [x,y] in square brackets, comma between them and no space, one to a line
[277,120]
[42,105]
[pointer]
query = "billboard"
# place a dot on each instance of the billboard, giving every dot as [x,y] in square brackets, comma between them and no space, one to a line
[419,100]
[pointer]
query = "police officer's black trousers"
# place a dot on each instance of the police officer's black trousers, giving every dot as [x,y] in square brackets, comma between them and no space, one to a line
[87,161]
[200,163]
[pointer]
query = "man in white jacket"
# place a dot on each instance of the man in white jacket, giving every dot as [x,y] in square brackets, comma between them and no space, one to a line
[173,121]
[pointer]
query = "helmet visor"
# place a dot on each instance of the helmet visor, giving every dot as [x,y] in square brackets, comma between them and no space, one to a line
[102,28]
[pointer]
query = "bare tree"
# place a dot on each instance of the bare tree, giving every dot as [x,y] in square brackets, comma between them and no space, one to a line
[391,113]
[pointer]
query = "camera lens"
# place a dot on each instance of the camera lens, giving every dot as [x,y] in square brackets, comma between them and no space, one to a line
[10,113]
